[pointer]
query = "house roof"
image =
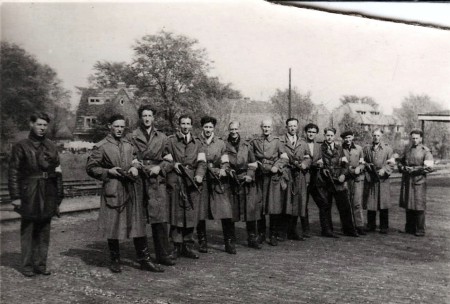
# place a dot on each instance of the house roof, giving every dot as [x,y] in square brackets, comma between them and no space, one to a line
[369,117]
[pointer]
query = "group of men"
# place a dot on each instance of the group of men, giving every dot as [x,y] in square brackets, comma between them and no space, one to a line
[177,182]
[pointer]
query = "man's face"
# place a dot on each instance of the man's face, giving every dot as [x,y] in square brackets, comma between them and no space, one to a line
[348,139]
[208,129]
[117,128]
[185,125]
[376,136]
[329,137]
[39,127]
[292,127]
[147,118]
[234,130]
[266,127]
[311,134]
[416,139]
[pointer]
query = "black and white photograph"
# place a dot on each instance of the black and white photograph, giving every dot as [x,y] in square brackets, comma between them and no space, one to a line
[224,152]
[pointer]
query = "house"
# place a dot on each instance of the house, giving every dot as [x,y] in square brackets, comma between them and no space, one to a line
[368,116]
[107,101]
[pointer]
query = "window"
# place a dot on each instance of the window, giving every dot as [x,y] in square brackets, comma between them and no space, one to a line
[95,100]
[90,121]
[121,102]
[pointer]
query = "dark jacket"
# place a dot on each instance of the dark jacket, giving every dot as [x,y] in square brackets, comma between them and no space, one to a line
[35,178]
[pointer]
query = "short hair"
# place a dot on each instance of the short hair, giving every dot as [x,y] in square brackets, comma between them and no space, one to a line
[291,119]
[311,126]
[266,119]
[416,131]
[183,116]
[208,119]
[347,133]
[39,115]
[234,122]
[146,108]
[115,117]
[378,129]
[329,129]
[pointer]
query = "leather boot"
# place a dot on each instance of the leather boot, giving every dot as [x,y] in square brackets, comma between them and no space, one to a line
[177,248]
[188,251]
[420,222]
[261,224]
[410,225]
[371,221]
[384,221]
[230,246]
[273,240]
[201,236]
[161,241]
[229,236]
[114,251]
[292,232]
[306,232]
[143,255]
[253,241]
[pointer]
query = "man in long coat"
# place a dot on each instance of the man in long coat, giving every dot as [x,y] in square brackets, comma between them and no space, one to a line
[271,157]
[215,202]
[121,214]
[355,177]
[36,189]
[154,164]
[415,163]
[244,195]
[183,186]
[379,161]
[295,194]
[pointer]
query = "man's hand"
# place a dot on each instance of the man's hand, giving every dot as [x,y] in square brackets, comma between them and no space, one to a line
[247,179]
[114,172]
[341,178]
[133,171]
[274,169]
[222,172]
[304,166]
[320,163]
[16,203]
[155,170]
[175,166]
[198,179]
[357,170]
[381,172]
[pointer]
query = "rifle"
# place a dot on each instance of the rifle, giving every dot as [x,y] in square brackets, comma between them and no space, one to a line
[327,173]
[186,175]
[126,176]
[372,172]
[216,179]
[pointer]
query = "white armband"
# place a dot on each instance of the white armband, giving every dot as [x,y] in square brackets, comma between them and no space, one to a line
[361,161]
[58,169]
[201,157]
[224,159]
[428,163]
[253,165]
[344,159]
[284,155]
[168,158]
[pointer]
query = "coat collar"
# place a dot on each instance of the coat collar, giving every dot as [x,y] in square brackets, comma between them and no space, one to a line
[139,133]
[268,138]
[114,141]
[180,136]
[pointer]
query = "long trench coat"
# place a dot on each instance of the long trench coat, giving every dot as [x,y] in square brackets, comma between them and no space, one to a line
[377,195]
[245,198]
[413,192]
[269,151]
[121,215]
[215,199]
[151,153]
[184,199]
[296,192]
[35,178]
[333,161]
[355,182]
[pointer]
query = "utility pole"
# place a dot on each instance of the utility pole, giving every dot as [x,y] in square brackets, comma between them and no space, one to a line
[289,96]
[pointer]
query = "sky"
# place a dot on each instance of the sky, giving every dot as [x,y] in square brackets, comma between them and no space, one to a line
[252,45]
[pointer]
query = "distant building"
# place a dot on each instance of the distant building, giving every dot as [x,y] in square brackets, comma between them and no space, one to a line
[368,117]
[94,102]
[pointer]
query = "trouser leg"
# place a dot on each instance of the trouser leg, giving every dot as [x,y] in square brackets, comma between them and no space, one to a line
[114,251]
[188,244]
[384,220]
[143,255]
[420,222]
[261,224]
[201,235]
[42,236]
[371,220]
[161,242]
[27,244]
[410,225]
[324,205]
[229,235]
[304,220]
[345,212]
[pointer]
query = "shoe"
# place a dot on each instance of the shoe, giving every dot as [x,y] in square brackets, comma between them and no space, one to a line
[351,233]
[188,252]
[419,233]
[360,231]
[329,234]
[273,241]
[261,238]
[294,236]
[230,247]
[115,265]
[148,265]
[370,228]
[306,234]
[166,260]
[383,230]
[253,242]
[28,273]
[282,237]
[202,243]
[42,271]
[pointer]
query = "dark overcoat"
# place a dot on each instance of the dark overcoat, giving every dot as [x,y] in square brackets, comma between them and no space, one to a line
[413,192]
[35,178]
[333,160]
[269,152]
[184,199]
[377,195]
[152,152]
[215,200]
[121,215]
[245,197]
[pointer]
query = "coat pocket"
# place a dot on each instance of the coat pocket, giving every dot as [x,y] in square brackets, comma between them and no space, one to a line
[111,188]
[418,180]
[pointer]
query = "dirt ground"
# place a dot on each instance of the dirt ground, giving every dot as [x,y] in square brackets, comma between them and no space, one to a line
[393,268]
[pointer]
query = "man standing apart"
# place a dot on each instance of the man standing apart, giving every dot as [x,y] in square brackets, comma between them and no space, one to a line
[121,214]
[355,181]
[379,163]
[36,189]
[416,162]
[183,187]
[155,163]
[271,157]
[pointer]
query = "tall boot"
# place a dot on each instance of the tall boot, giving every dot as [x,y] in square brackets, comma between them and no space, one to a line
[161,242]
[420,223]
[262,229]
[114,251]
[201,235]
[292,230]
[282,226]
[251,234]
[306,232]
[229,236]
[273,229]
[410,225]
[325,220]
[384,221]
[143,255]
[188,250]
[372,220]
